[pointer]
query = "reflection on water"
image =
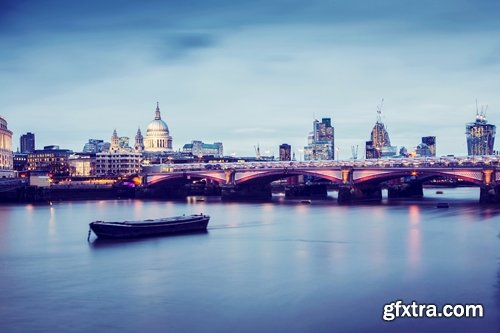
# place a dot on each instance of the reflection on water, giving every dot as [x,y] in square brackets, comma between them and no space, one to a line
[261,267]
[414,241]
[102,243]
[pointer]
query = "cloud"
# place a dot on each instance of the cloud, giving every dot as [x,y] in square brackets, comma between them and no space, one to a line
[179,45]
[248,72]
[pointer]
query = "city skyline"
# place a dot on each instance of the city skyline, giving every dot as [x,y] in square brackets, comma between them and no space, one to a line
[249,74]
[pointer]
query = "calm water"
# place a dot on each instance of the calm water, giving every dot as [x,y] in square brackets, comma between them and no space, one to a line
[263,267]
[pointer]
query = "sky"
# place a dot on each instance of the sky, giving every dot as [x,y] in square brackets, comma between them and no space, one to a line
[249,73]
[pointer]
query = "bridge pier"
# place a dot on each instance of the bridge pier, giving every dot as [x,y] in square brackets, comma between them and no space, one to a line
[246,192]
[309,191]
[489,194]
[359,193]
[412,189]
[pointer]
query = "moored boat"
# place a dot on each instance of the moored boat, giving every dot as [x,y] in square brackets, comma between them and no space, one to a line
[442,205]
[152,227]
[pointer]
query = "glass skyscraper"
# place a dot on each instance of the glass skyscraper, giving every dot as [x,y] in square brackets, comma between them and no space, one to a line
[480,136]
[321,141]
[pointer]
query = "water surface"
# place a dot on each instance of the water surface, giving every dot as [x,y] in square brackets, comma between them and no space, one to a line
[261,267]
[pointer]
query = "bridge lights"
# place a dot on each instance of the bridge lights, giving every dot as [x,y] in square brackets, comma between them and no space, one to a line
[414,173]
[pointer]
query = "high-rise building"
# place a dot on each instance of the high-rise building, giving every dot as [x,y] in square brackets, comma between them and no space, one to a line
[285,152]
[480,136]
[430,142]
[379,144]
[321,141]
[27,143]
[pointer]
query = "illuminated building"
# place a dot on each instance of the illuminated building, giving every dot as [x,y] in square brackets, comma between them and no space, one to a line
[27,142]
[379,144]
[50,159]
[120,160]
[321,141]
[285,152]
[158,137]
[199,149]
[117,163]
[6,156]
[82,165]
[427,147]
[423,150]
[480,136]
[20,161]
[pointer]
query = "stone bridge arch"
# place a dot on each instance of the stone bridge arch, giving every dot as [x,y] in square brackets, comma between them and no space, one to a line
[270,175]
[474,176]
[185,176]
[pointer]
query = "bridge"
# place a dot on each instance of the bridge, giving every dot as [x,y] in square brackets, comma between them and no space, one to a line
[355,180]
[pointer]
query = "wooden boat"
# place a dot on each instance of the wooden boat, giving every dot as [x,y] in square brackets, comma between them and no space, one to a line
[442,205]
[145,228]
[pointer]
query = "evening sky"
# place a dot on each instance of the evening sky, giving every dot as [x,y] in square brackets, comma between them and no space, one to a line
[249,72]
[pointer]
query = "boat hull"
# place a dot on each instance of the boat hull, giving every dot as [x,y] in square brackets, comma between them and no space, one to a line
[149,228]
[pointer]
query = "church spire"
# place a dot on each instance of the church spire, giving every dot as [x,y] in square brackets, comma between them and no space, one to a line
[158,116]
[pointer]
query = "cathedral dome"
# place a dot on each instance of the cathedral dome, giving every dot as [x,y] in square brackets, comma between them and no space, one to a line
[158,137]
[157,125]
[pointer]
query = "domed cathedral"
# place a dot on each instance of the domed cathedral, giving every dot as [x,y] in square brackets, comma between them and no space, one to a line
[158,137]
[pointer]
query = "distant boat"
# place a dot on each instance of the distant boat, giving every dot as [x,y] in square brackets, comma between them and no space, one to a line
[305,201]
[145,228]
[439,192]
[442,205]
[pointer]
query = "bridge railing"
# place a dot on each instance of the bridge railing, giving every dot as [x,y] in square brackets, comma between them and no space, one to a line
[417,162]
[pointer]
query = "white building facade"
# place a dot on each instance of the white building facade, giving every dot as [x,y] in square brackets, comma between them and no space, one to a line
[6,155]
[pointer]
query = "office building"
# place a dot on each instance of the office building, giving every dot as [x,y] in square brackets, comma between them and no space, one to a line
[200,149]
[82,164]
[118,163]
[94,146]
[480,136]
[321,141]
[50,159]
[379,144]
[285,152]
[427,147]
[27,143]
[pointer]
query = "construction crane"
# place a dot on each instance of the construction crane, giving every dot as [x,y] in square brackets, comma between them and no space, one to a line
[257,151]
[354,152]
[379,111]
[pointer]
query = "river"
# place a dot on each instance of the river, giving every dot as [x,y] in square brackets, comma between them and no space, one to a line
[282,266]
